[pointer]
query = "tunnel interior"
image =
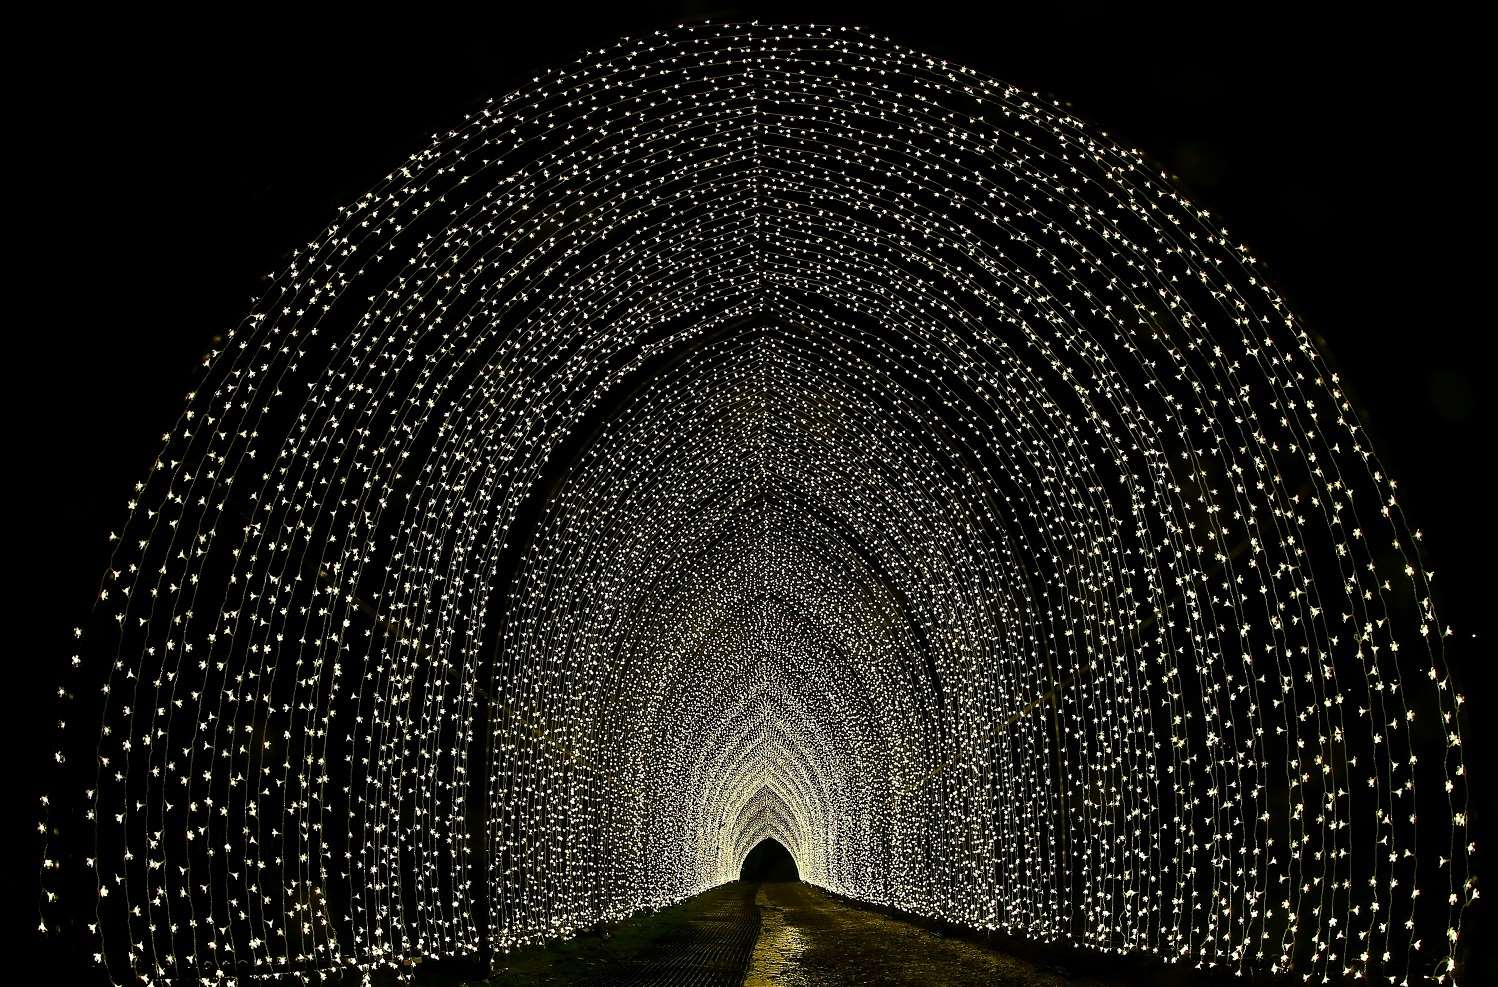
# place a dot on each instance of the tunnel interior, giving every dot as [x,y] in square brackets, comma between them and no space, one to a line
[769,861]
[745,438]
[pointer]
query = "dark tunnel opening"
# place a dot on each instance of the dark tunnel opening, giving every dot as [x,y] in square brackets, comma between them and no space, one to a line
[769,861]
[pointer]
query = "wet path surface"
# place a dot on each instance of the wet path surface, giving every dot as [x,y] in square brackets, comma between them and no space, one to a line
[809,939]
[770,935]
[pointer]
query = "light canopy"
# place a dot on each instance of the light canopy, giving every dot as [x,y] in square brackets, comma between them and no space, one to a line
[763,431]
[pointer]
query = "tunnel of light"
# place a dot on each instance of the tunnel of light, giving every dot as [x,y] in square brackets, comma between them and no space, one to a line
[757,432]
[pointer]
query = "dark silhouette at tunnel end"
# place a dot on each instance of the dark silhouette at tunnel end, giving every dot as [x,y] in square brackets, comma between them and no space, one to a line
[769,861]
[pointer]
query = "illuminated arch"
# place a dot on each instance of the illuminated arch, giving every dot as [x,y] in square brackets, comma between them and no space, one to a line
[758,431]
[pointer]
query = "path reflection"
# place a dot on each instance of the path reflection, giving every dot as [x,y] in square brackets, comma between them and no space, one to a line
[777,954]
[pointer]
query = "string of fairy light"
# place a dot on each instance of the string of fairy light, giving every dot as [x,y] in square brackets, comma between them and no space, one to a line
[761,431]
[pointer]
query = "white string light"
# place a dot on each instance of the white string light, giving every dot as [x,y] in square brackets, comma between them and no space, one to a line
[976,522]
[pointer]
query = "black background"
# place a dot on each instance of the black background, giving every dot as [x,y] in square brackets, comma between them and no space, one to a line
[170,162]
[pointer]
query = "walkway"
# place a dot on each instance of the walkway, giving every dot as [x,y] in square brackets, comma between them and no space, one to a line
[808,939]
[770,935]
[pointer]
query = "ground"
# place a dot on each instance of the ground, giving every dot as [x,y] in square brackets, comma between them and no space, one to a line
[778,934]
[808,939]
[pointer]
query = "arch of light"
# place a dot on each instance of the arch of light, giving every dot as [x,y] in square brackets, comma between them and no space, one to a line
[750,432]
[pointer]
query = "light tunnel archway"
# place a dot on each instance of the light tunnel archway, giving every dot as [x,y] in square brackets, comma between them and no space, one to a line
[753,431]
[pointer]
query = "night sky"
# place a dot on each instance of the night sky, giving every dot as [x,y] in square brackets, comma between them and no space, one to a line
[172,163]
